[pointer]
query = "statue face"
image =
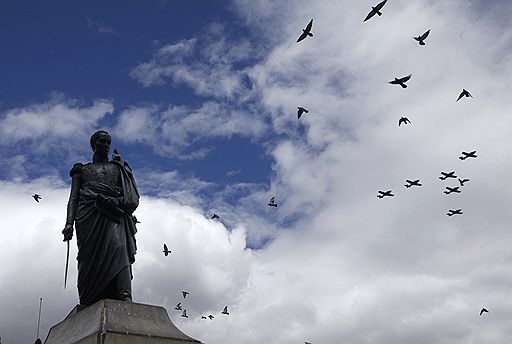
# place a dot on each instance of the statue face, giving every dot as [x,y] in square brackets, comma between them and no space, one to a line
[102,144]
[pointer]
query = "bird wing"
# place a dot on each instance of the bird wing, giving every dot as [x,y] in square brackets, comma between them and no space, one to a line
[460,96]
[405,78]
[370,14]
[301,37]
[309,26]
[380,5]
[425,35]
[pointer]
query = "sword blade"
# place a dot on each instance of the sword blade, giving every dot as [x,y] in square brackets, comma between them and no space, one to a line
[67,263]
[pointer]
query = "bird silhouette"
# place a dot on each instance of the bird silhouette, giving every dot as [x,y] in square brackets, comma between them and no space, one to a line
[449,190]
[422,37]
[445,175]
[301,111]
[166,251]
[272,202]
[383,194]
[403,120]
[452,212]
[375,10]
[464,93]
[483,311]
[178,307]
[401,81]
[215,216]
[185,293]
[135,219]
[36,197]
[211,317]
[466,155]
[184,314]
[410,183]
[203,317]
[463,181]
[307,342]
[116,156]
[225,311]
[306,32]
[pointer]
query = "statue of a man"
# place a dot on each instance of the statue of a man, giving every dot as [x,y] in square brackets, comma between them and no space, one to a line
[102,199]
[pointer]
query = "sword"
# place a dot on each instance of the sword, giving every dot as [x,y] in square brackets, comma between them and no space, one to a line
[67,263]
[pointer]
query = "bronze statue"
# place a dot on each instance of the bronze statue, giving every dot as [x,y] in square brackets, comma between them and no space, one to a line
[102,199]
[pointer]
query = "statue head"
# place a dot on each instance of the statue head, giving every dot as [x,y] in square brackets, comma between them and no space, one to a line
[100,142]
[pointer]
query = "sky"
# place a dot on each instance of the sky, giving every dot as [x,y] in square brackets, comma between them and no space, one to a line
[201,99]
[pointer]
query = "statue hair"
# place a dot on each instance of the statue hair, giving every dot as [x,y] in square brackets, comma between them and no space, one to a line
[95,136]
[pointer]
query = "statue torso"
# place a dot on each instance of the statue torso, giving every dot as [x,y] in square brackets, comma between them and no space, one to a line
[106,173]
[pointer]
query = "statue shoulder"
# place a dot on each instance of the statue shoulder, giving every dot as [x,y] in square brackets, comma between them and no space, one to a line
[77,168]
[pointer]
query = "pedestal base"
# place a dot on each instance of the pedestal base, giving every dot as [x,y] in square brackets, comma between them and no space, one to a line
[117,322]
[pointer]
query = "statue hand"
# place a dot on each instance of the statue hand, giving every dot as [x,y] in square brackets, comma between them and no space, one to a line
[68,232]
[105,200]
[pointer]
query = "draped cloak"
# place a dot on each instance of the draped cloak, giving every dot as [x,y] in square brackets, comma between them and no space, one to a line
[105,230]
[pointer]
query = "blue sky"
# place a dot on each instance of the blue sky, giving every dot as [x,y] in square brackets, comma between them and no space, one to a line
[201,98]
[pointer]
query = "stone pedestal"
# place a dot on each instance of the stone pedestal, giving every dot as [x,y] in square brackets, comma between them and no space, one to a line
[117,322]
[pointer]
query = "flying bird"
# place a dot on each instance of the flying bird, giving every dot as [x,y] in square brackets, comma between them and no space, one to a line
[452,212]
[306,32]
[463,181]
[215,216]
[184,314]
[483,311]
[135,219]
[166,251]
[383,194]
[185,293]
[272,202]
[410,183]
[203,317]
[403,120]
[375,10]
[178,307]
[225,311]
[422,37]
[466,155]
[211,317]
[445,175]
[36,197]
[301,111]
[464,93]
[449,190]
[401,81]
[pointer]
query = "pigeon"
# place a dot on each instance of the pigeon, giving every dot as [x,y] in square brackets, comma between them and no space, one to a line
[375,10]
[410,183]
[464,93]
[421,38]
[466,155]
[272,202]
[166,251]
[185,293]
[452,212]
[301,111]
[306,32]
[445,175]
[401,81]
[211,317]
[383,194]
[225,311]
[178,307]
[483,311]
[116,155]
[215,216]
[463,181]
[36,197]
[449,190]
[203,317]
[135,219]
[403,120]
[184,314]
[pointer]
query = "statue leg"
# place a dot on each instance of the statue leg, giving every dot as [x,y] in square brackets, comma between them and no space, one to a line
[123,284]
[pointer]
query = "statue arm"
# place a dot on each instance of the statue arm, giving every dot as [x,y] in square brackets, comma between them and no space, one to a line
[73,202]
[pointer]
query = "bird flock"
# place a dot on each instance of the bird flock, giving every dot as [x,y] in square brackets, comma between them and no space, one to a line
[409,183]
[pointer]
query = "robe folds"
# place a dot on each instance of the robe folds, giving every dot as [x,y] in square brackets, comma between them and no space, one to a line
[105,229]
